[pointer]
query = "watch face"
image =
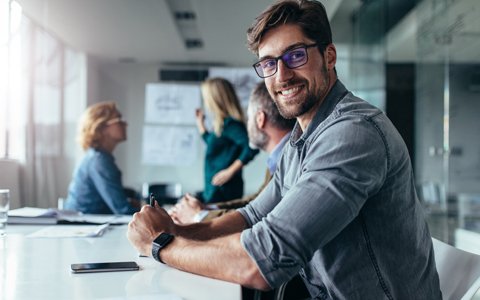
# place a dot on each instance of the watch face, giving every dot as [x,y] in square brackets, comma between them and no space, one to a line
[163,239]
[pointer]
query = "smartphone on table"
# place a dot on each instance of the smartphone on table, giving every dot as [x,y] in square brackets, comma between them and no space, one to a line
[105,267]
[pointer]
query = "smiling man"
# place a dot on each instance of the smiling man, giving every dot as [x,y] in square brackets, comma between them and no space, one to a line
[341,209]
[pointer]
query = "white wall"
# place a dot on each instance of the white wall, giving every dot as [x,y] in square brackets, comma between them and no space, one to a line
[125,84]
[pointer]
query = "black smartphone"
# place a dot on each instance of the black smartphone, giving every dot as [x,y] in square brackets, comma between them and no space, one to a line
[105,267]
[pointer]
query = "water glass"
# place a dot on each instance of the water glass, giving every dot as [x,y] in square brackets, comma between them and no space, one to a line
[4,206]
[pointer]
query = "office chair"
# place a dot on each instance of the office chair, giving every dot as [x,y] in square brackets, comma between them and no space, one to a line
[165,193]
[131,193]
[294,289]
[459,271]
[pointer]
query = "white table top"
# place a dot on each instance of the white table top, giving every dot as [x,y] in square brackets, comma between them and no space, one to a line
[39,268]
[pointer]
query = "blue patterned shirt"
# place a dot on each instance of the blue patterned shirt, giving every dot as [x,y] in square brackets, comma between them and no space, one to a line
[96,187]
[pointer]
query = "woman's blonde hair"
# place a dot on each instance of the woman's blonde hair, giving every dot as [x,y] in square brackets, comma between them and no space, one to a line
[222,101]
[92,121]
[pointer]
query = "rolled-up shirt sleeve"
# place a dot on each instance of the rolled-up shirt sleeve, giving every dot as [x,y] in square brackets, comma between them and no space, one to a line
[315,193]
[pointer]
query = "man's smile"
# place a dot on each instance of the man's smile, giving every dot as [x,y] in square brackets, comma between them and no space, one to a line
[291,91]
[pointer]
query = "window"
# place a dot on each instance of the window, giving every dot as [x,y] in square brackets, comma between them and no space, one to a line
[40,87]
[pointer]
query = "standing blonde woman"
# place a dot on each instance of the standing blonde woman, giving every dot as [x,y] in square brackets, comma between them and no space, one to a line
[96,187]
[227,146]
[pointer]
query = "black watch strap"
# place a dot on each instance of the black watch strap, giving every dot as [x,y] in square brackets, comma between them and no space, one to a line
[159,243]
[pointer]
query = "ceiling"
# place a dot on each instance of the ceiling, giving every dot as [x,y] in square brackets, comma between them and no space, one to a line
[145,31]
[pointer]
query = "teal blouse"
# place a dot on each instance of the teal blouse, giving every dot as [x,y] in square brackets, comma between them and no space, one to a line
[221,152]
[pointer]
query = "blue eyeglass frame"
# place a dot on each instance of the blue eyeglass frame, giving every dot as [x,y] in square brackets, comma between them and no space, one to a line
[259,70]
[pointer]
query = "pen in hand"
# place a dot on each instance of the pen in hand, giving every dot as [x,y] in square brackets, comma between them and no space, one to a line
[152,200]
[152,204]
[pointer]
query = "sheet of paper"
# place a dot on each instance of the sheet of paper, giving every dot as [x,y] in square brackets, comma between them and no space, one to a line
[70,231]
[148,297]
[169,145]
[32,212]
[97,219]
[171,104]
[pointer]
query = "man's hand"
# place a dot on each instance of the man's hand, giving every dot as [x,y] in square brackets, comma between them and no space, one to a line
[185,210]
[146,225]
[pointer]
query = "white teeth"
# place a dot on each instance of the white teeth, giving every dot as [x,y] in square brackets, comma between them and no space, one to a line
[290,91]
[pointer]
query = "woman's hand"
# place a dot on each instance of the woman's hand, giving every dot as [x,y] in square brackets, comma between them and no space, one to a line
[222,177]
[225,175]
[200,116]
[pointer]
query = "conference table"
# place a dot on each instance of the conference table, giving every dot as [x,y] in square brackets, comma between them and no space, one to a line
[39,268]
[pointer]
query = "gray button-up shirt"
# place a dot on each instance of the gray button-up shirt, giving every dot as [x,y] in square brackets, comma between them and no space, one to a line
[342,210]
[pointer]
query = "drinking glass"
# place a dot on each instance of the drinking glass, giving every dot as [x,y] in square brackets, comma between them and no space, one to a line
[4,206]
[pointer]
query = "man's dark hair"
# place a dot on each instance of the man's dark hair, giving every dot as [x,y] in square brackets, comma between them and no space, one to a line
[261,100]
[311,16]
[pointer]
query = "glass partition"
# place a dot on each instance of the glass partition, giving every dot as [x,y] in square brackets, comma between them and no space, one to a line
[368,53]
[447,109]
[444,56]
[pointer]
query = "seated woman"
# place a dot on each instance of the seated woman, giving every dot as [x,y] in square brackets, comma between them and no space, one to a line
[96,187]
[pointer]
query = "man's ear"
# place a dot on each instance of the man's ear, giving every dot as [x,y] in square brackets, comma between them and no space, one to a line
[260,118]
[331,56]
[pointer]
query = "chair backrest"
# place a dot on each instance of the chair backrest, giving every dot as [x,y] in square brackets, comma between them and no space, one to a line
[293,289]
[165,193]
[459,271]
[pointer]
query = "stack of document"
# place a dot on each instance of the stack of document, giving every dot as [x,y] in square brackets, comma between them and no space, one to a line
[33,215]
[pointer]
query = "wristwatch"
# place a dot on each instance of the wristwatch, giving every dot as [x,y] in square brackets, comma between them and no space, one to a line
[159,243]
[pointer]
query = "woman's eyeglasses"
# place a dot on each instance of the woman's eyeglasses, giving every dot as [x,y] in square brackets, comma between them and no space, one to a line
[292,58]
[115,121]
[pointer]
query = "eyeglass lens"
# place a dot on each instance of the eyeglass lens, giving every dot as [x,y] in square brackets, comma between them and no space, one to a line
[115,121]
[292,59]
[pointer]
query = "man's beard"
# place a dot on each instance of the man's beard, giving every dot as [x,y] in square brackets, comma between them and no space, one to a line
[308,102]
[257,138]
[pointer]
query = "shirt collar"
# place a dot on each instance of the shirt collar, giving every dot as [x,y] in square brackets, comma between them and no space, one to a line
[338,91]
[273,157]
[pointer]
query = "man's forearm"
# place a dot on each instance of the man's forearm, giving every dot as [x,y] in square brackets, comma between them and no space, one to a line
[221,258]
[211,249]
[224,225]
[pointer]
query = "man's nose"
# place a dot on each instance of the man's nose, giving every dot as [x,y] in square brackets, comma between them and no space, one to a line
[284,73]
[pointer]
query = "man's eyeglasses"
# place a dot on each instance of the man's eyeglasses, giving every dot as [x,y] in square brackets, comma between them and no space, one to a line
[292,58]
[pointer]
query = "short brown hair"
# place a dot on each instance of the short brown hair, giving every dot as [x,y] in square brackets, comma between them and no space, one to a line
[311,16]
[92,121]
